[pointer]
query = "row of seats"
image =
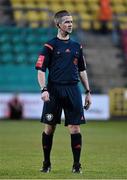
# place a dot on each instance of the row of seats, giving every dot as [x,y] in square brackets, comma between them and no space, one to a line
[38,13]
[19,48]
[37,2]
[22,45]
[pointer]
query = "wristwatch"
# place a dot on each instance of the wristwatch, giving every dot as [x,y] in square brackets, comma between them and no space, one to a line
[87,91]
[44,89]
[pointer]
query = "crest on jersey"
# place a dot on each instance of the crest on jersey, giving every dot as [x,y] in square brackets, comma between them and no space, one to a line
[49,117]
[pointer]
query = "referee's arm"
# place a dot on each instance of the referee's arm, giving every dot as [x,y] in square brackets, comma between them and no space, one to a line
[42,83]
[84,79]
[41,79]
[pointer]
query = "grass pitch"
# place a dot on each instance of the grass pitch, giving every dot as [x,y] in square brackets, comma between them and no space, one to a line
[104,153]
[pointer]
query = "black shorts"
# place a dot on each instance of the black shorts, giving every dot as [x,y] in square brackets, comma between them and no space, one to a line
[68,98]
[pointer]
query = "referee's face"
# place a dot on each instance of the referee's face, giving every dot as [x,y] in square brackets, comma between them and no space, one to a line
[66,24]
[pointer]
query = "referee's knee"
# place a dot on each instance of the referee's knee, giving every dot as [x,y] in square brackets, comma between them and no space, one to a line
[49,129]
[74,129]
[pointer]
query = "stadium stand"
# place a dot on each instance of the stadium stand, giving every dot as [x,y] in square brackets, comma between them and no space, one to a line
[105,61]
[27,24]
[87,10]
[19,49]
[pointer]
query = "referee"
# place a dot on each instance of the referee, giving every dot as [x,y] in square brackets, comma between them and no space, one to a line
[65,62]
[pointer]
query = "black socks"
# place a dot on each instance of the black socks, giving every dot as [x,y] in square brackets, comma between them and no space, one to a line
[47,145]
[76,143]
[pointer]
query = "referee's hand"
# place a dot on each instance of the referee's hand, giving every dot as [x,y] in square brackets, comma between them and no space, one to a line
[88,101]
[45,96]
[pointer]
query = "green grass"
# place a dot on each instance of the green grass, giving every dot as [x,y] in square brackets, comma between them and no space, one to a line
[104,153]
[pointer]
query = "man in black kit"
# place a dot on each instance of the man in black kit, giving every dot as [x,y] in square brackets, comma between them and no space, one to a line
[64,59]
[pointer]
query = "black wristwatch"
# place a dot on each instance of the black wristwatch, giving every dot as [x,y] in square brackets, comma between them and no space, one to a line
[87,91]
[44,89]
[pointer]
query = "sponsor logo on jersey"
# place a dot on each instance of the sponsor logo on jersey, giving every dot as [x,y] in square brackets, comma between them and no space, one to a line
[49,117]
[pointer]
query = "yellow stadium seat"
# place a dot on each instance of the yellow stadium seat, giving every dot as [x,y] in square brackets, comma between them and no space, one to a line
[79,1]
[29,1]
[34,24]
[81,8]
[96,25]
[16,1]
[19,15]
[69,7]
[118,1]
[119,9]
[43,5]
[93,7]
[18,5]
[86,25]
[33,16]
[55,1]
[93,1]
[30,5]
[55,7]
[44,16]
[86,17]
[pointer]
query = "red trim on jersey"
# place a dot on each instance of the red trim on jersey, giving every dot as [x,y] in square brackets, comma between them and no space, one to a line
[40,61]
[49,46]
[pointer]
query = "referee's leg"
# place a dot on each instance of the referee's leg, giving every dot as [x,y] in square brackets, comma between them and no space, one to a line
[47,139]
[76,145]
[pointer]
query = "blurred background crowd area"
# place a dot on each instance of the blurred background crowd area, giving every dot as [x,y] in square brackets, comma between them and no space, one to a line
[100,26]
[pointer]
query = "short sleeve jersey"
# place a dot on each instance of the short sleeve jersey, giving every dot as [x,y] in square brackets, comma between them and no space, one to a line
[63,58]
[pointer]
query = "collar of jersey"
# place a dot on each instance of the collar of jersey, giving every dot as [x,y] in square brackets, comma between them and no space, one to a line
[63,39]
